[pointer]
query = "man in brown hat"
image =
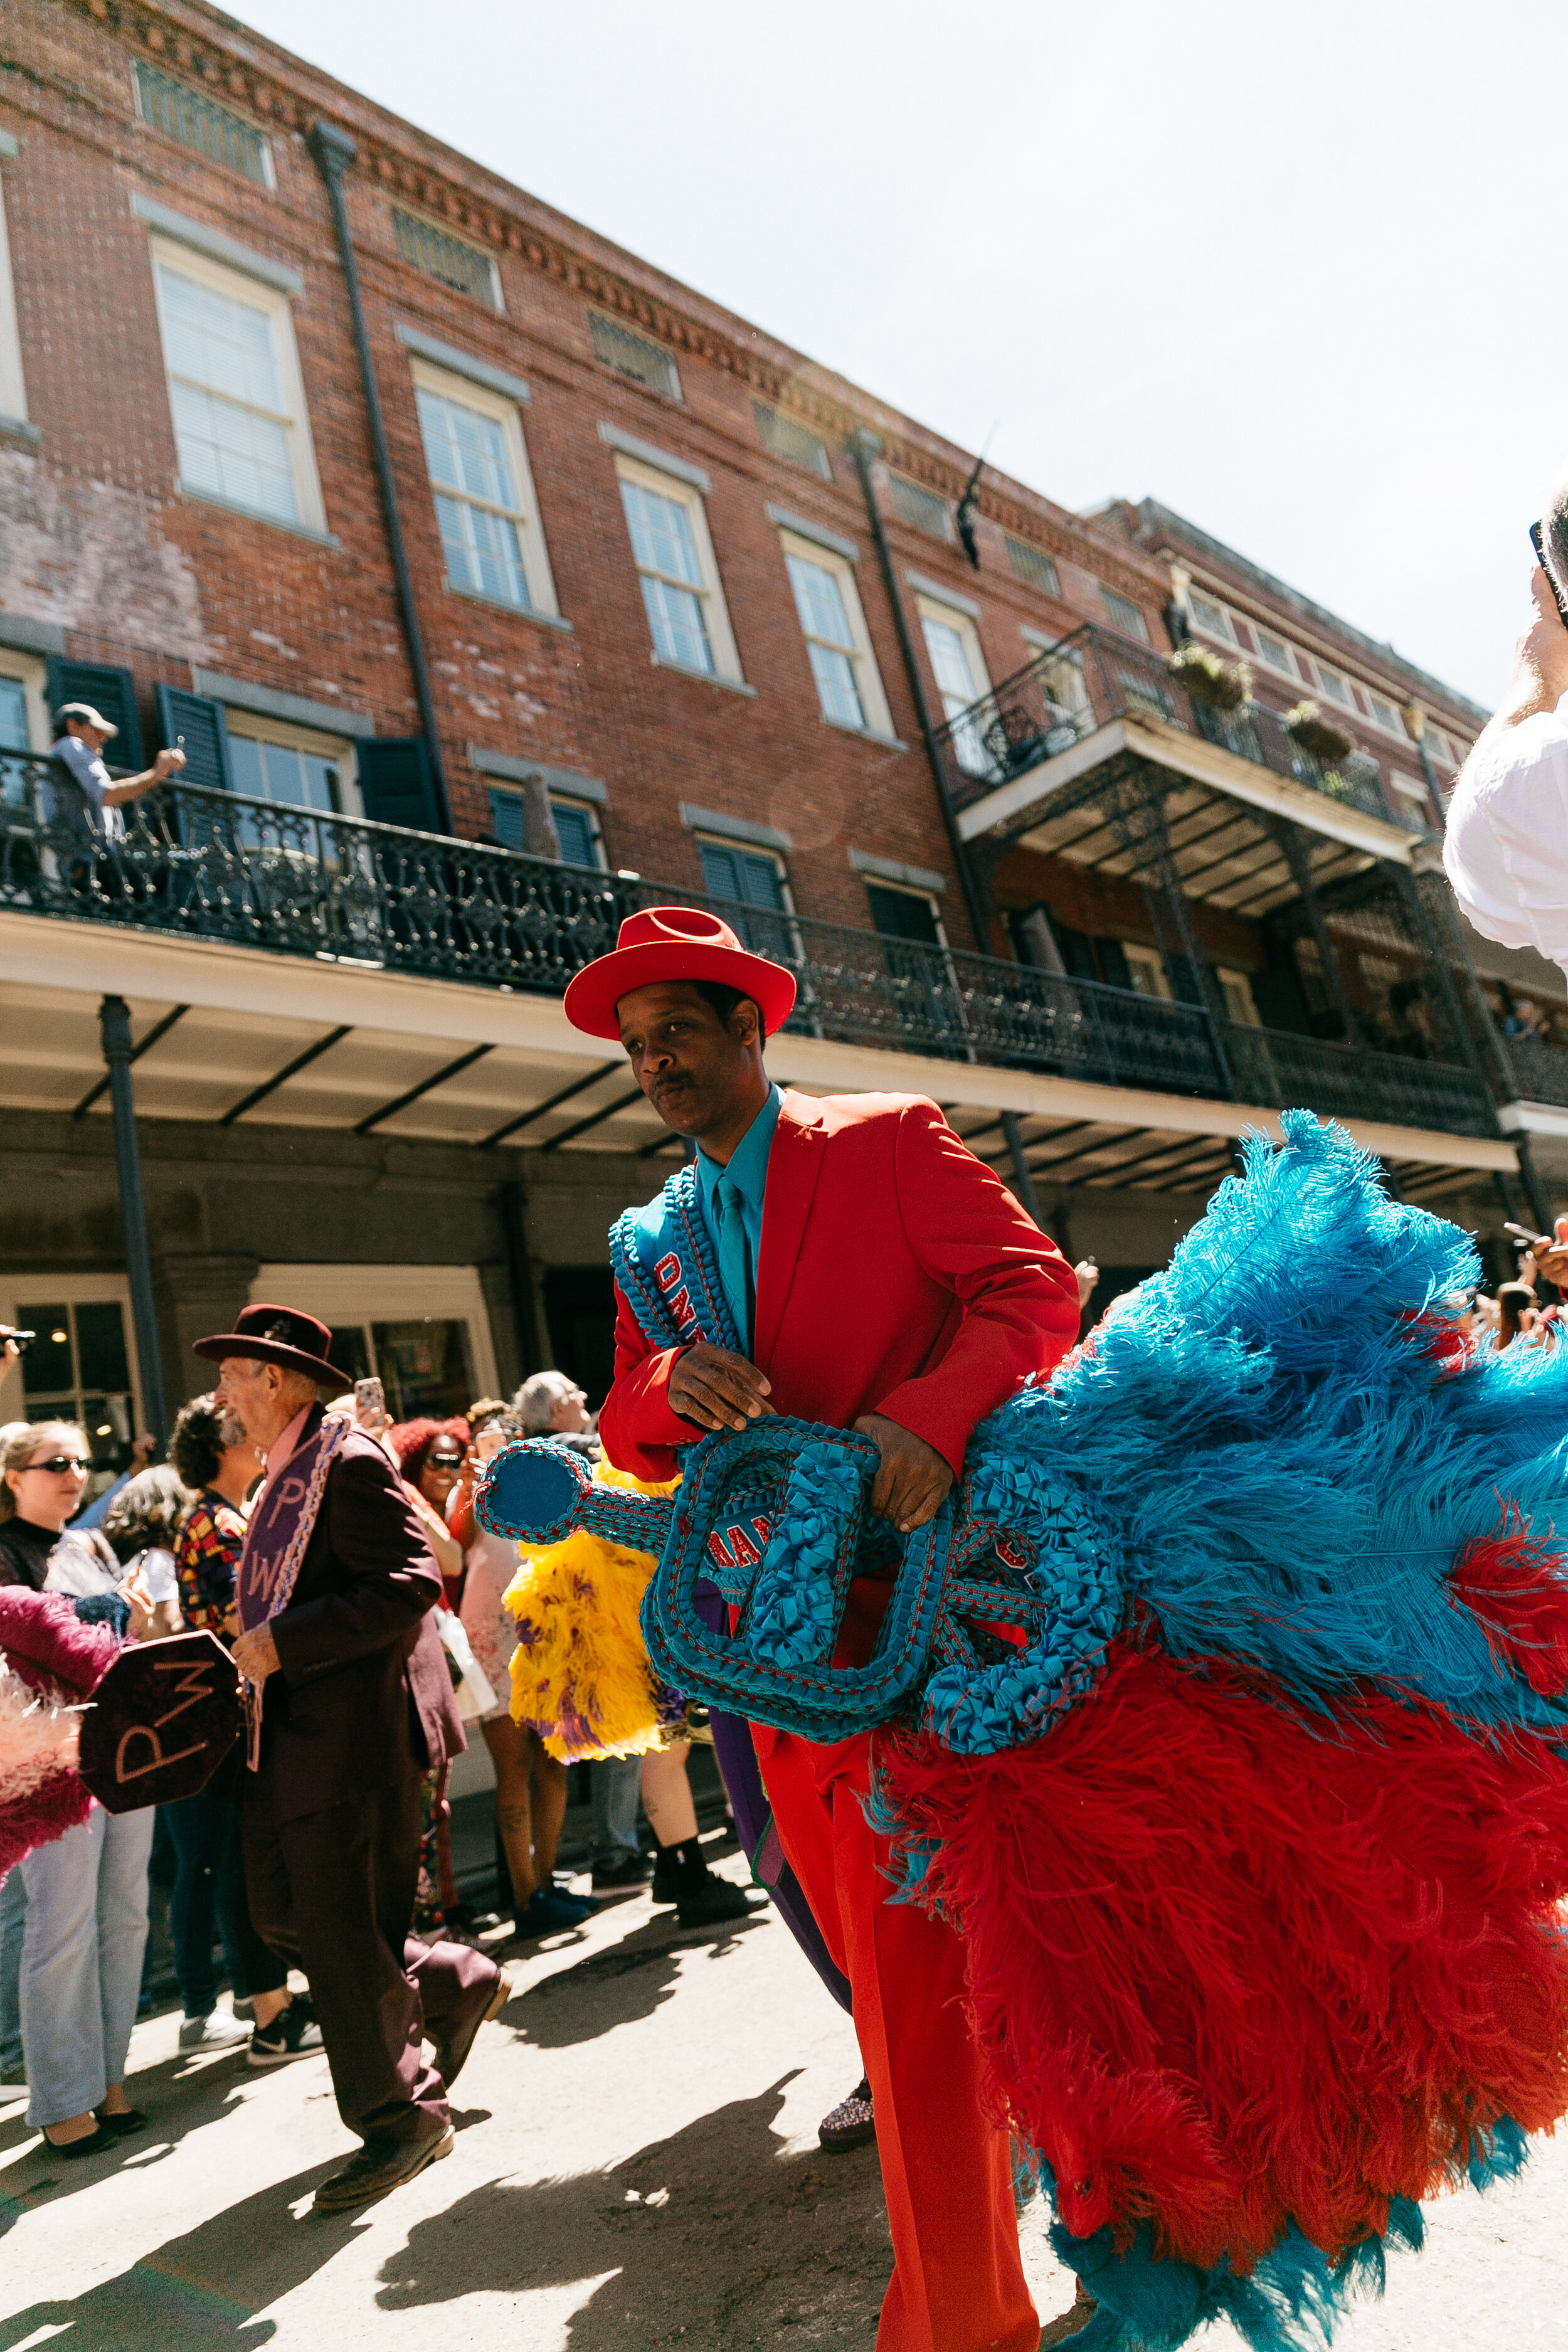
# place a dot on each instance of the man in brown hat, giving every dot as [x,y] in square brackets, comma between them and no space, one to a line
[350,1704]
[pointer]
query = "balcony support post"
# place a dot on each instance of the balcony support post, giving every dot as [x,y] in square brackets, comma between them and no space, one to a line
[1023,1182]
[1160,880]
[1432,893]
[335,152]
[1419,915]
[114,1025]
[1298,860]
[863,447]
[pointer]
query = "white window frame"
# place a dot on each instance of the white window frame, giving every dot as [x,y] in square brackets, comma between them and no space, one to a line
[13,380]
[582,808]
[32,674]
[1226,631]
[1295,657]
[1339,692]
[341,1294]
[1140,630]
[953,616]
[69,1290]
[339,748]
[239,286]
[715,612]
[463,393]
[1235,988]
[909,890]
[1149,961]
[862,660]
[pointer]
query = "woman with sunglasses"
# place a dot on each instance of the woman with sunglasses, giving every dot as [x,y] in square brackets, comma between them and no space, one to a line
[85,1892]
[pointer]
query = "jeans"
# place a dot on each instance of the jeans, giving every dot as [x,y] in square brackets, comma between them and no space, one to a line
[210,1880]
[81,1960]
[13,1919]
[614,1782]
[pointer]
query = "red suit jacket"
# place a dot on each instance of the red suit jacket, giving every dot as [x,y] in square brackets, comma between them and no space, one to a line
[896,1275]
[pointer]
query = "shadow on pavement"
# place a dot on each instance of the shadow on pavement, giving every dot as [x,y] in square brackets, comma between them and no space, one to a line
[185,2293]
[741,2245]
[621,1986]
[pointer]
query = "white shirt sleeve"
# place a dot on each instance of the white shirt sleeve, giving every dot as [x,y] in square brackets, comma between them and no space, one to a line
[1506,846]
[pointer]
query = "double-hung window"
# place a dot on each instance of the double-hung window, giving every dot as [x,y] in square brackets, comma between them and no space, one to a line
[959,669]
[234,391]
[827,604]
[485,508]
[674,557]
[293,767]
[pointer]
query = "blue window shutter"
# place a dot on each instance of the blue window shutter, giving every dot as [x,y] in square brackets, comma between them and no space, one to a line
[396,781]
[575,828]
[740,875]
[202,724]
[505,820]
[112,693]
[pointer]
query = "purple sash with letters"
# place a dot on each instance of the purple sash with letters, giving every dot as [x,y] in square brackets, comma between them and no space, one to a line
[280,1528]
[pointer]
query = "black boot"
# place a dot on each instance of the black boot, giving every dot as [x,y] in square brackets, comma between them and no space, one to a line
[702,1900]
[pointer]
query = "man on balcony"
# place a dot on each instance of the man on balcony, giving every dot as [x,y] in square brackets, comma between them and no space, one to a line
[79,794]
[877,1276]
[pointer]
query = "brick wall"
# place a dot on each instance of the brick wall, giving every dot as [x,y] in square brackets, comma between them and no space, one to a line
[97,539]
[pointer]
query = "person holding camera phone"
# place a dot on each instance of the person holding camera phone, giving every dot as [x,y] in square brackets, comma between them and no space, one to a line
[1506,846]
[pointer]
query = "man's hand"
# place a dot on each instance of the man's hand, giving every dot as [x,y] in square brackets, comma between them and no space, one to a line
[912,1478]
[256,1655]
[717,1389]
[167,764]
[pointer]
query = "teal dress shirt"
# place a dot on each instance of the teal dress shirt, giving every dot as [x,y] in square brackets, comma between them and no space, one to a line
[744,1183]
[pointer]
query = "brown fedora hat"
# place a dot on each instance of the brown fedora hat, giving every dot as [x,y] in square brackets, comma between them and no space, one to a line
[278,1335]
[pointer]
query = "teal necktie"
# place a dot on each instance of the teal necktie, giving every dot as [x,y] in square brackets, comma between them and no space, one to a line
[734,1257]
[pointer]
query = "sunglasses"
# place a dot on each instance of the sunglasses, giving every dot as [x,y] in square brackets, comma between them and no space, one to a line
[59,1462]
[445,1462]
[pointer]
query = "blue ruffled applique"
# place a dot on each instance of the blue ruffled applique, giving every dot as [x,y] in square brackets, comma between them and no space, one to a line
[794,1606]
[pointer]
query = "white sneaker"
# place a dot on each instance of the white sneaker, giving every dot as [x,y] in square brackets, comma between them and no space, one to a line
[214,2032]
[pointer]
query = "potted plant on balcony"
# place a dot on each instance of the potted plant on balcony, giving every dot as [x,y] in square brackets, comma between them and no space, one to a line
[1209,678]
[1319,737]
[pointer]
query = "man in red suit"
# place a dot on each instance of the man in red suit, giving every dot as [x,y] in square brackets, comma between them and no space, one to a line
[879,1278]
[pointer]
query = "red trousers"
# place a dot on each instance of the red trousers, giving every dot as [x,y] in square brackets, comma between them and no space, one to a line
[957,2285]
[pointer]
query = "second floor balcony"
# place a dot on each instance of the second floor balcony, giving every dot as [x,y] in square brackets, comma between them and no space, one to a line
[1078,705]
[211,867]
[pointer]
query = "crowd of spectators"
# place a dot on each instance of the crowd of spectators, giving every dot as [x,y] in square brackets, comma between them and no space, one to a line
[166,1541]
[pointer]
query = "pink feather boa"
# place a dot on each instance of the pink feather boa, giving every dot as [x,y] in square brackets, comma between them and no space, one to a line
[49,1664]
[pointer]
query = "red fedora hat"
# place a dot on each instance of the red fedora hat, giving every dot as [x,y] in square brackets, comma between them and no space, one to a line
[676,944]
[278,1335]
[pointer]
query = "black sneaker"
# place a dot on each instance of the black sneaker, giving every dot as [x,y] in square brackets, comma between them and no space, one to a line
[293,2033]
[620,1871]
[711,1901]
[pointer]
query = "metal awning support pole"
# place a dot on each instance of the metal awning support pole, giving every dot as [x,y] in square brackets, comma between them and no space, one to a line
[1023,1183]
[114,1022]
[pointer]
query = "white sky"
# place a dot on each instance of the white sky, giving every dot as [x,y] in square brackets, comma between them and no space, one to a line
[1298,274]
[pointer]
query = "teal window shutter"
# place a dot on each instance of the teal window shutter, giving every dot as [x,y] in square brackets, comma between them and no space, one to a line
[112,694]
[506,819]
[754,881]
[900,915]
[397,782]
[202,725]
[575,828]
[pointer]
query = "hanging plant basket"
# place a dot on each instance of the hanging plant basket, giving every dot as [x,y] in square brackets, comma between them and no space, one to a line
[1208,678]
[1312,732]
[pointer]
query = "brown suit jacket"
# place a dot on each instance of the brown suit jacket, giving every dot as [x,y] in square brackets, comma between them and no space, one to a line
[364,1697]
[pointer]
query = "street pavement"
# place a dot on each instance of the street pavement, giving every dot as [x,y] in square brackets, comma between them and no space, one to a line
[637,2165]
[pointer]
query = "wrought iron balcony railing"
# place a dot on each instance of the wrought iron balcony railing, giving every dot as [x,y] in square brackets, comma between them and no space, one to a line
[1094,676]
[293,881]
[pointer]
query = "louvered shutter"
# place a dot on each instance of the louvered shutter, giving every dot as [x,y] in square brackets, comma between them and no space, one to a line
[396,781]
[112,693]
[201,723]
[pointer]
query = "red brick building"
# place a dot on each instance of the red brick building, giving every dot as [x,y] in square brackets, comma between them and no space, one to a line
[404,501]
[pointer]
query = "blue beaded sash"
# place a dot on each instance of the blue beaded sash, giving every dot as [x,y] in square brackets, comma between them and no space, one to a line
[680,1298]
